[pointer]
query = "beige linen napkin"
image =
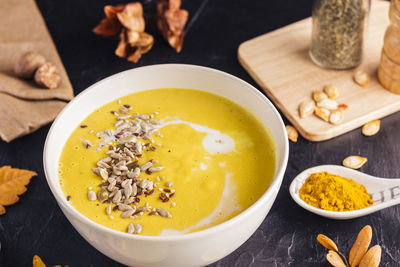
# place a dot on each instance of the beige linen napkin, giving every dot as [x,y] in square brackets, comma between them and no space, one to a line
[24,106]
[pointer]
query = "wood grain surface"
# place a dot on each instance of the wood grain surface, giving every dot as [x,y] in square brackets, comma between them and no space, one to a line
[279,62]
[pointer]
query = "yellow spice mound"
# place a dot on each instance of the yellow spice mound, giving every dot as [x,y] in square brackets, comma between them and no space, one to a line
[333,192]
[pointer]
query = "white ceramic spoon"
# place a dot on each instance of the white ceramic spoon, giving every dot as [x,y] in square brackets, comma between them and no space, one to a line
[385,192]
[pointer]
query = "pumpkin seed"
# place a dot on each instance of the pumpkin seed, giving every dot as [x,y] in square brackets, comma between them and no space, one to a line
[323,113]
[334,259]
[319,96]
[360,246]
[372,258]
[371,128]
[328,104]
[327,242]
[103,195]
[292,133]
[354,162]
[336,116]
[362,78]
[306,108]
[331,91]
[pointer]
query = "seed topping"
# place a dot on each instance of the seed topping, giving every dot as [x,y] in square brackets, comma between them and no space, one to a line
[122,174]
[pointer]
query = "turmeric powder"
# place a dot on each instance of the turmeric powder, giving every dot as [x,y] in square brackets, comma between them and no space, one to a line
[333,192]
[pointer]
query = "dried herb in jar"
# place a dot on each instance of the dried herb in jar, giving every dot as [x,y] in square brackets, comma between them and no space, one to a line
[337,33]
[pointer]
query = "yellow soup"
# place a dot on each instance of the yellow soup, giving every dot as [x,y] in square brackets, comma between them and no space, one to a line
[202,160]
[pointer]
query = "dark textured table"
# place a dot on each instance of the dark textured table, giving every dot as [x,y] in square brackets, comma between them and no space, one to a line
[36,225]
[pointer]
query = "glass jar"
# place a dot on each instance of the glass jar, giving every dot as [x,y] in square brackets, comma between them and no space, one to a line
[338,28]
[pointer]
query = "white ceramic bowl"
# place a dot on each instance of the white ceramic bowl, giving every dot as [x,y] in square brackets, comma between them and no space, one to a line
[194,249]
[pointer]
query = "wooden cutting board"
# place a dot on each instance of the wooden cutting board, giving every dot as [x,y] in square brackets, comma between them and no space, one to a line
[279,62]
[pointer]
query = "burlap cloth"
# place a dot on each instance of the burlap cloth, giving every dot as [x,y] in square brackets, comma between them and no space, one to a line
[24,106]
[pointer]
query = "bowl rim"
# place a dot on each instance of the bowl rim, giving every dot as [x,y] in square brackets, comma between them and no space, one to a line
[61,200]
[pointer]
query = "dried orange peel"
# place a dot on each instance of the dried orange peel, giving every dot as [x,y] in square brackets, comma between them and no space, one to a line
[12,184]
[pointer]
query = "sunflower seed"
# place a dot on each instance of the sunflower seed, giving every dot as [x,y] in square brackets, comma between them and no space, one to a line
[131,228]
[86,144]
[169,184]
[145,166]
[164,213]
[103,173]
[128,191]
[128,213]
[126,183]
[124,207]
[123,110]
[96,171]
[134,174]
[155,169]
[108,209]
[138,228]
[117,197]
[92,195]
[111,186]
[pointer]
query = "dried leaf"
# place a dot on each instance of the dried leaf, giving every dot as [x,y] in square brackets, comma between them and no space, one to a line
[371,128]
[131,17]
[360,246]
[334,259]
[37,262]
[133,44]
[354,162]
[12,184]
[108,27]
[292,133]
[372,258]
[327,242]
[127,22]
[111,11]
[171,22]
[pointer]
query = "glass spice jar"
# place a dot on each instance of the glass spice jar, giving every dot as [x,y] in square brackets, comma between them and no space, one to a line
[338,32]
